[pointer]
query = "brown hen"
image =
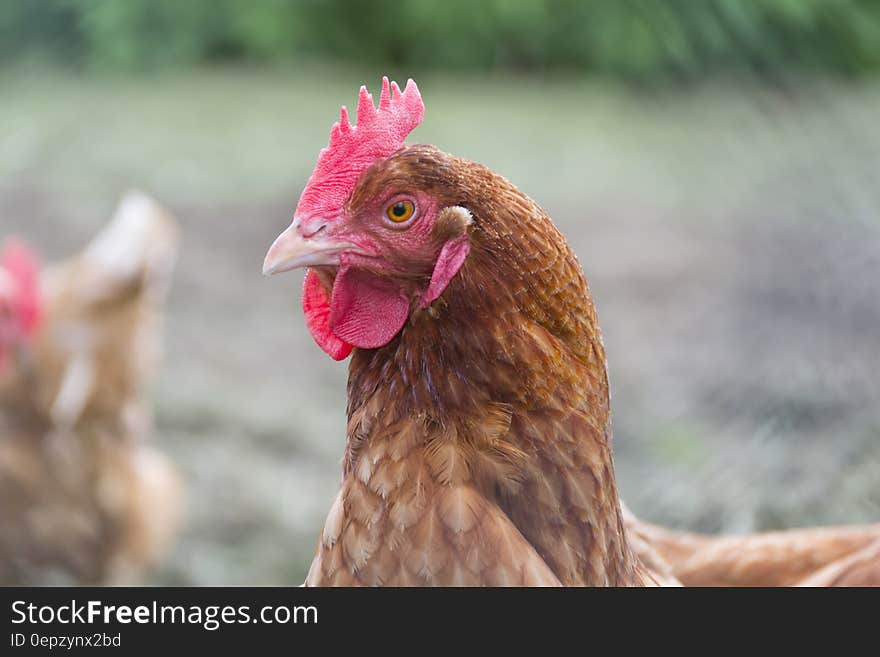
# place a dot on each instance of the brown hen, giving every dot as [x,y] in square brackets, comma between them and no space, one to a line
[820,556]
[83,498]
[479,440]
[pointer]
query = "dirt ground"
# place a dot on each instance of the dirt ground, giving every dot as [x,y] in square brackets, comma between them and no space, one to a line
[731,235]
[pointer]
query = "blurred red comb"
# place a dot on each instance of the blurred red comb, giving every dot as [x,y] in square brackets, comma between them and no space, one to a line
[19,292]
[378,133]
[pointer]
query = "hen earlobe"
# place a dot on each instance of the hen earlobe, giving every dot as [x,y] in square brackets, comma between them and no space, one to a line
[452,225]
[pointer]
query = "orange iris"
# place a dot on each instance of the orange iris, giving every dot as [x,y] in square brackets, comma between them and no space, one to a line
[400,211]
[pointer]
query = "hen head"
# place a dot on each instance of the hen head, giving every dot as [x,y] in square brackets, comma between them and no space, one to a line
[20,309]
[377,225]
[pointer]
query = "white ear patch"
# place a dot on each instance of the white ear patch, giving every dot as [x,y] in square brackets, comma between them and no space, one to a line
[452,226]
[456,219]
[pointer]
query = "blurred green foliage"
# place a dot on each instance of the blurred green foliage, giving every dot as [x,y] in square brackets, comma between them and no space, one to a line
[641,39]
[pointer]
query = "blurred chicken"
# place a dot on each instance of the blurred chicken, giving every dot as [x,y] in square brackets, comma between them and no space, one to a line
[821,556]
[860,568]
[83,499]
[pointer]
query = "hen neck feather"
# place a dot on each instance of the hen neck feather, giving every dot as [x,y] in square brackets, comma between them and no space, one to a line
[516,326]
[508,365]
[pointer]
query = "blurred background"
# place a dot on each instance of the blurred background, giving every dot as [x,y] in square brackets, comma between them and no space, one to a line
[715,165]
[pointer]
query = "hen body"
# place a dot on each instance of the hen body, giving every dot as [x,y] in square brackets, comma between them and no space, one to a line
[479,441]
[83,498]
[819,556]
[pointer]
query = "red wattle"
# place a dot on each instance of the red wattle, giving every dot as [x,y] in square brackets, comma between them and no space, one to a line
[316,308]
[366,310]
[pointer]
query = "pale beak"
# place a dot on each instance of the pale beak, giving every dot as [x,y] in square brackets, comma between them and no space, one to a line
[291,250]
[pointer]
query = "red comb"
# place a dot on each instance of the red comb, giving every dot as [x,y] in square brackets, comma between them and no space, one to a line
[22,268]
[378,133]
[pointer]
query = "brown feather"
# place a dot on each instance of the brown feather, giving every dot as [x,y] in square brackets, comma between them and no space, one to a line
[782,558]
[483,427]
[83,499]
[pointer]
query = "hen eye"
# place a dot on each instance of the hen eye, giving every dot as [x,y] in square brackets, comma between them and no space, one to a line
[400,211]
